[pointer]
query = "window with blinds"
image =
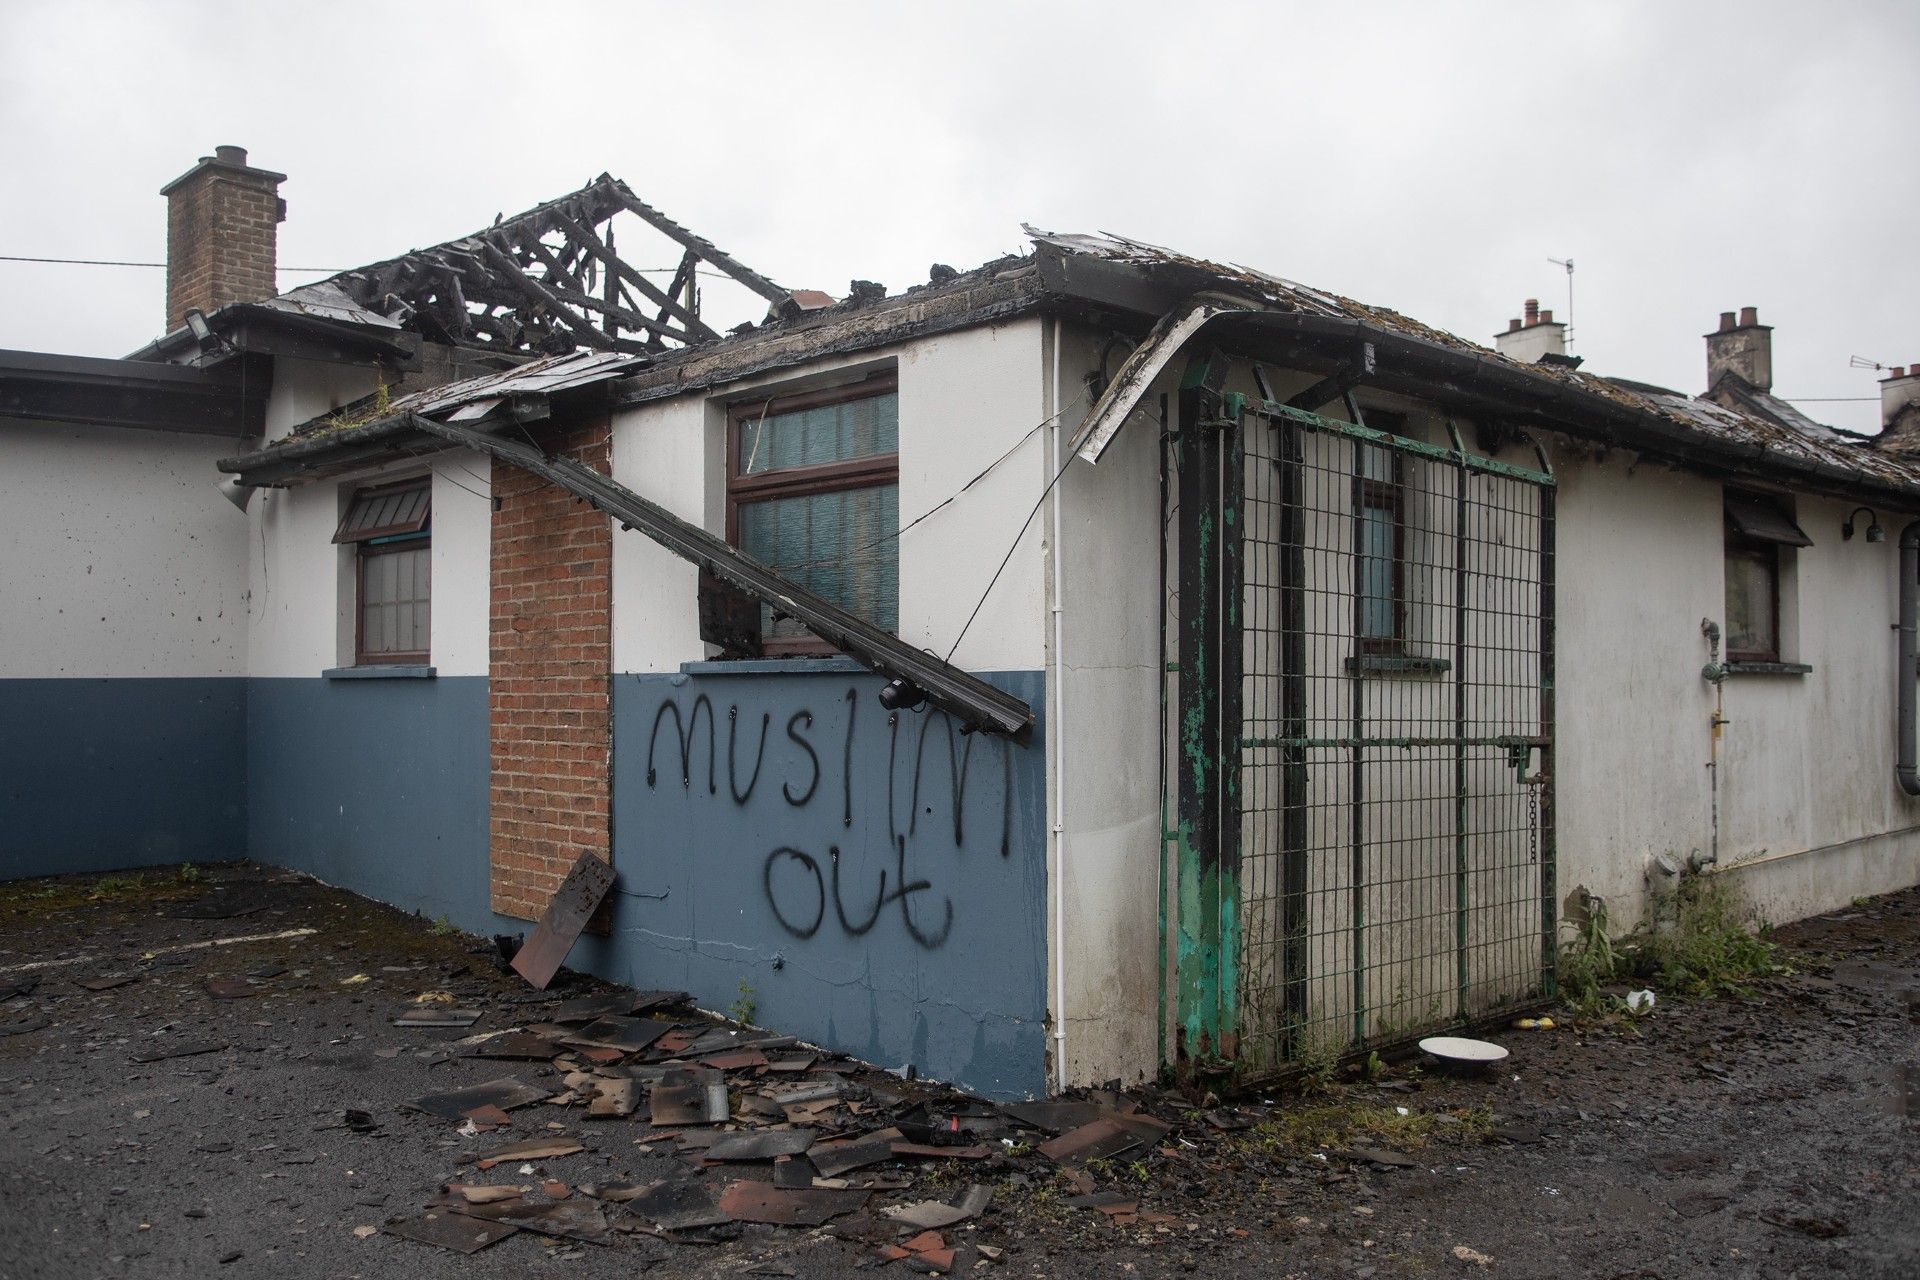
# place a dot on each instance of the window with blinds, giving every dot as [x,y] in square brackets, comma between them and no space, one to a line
[813,490]
[389,527]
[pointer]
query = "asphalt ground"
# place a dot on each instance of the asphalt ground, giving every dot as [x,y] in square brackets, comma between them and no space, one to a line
[1766,1134]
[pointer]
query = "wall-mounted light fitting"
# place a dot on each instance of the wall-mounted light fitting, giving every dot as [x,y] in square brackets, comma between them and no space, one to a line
[1874,532]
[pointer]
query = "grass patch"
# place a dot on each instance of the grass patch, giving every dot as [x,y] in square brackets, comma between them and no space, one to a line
[37,899]
[1322,1125]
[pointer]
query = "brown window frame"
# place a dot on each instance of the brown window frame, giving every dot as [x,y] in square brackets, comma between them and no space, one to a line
[1381,495]
[871,472]
[367,545]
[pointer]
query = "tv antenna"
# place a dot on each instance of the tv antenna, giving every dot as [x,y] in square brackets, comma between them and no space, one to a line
[1568,264]
[1861,362]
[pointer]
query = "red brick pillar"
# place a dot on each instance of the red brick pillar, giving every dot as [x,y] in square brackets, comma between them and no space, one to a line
[549,679]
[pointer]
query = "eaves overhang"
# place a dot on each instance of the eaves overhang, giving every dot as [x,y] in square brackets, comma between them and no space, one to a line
[44,387]
[261,328]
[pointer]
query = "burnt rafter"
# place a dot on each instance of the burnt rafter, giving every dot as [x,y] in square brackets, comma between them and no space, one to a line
[549,281]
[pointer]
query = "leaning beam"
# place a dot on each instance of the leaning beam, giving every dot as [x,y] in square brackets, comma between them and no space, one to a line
[966,697]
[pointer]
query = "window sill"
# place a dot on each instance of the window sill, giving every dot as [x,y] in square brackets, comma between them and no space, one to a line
[395,672]
[1395,664]
[1768,669]
[835,665]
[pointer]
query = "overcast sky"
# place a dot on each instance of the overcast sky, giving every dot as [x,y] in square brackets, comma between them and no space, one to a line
[1690,158]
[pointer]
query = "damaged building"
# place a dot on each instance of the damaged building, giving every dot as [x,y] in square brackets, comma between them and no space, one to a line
[1097,661]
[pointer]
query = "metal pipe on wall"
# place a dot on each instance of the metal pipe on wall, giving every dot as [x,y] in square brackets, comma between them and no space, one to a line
[1056,734]
[1906,767]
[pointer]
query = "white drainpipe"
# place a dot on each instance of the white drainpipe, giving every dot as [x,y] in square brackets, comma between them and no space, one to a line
[1057,729]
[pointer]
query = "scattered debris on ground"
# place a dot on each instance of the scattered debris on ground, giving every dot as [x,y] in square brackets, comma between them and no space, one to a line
[473,1126]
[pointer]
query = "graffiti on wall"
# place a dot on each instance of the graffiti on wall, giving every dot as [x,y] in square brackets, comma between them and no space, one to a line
[929,760]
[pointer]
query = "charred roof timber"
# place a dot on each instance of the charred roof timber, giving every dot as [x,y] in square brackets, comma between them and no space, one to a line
[548,281]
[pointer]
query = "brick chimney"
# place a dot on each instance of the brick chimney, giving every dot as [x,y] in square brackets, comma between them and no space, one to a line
[1533,339]
[222,216]
[1742,347]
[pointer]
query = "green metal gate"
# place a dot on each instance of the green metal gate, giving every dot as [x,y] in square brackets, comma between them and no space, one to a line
[1364,776]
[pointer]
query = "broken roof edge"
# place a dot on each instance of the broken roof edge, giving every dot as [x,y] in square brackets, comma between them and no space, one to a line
[959,693]
[1067,276]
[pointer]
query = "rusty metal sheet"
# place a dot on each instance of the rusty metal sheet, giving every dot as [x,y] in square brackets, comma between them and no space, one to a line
[1101,1140]
[505,1093]
[678,1101]
[1055,1115]
[580,1219]
[764,1202]
[678,1205]
[628,1035]
[611,1004]
[453,1231]
[516,1044]
[565,917]
[762,1146]
[835,1158]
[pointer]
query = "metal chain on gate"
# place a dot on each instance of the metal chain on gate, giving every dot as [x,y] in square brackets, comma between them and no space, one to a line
[1533,820]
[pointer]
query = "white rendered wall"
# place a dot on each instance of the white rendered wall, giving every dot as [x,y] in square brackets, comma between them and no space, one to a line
[1806,762]
[305,389]
[303,586]
[121,558]
[965,399]
[1109,746]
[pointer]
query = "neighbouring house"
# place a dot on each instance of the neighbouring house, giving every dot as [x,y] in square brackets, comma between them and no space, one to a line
[1094,662]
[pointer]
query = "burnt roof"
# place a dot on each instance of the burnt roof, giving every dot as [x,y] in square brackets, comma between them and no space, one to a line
[1128,281]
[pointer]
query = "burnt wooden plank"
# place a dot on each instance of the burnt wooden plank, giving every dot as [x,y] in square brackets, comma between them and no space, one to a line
[565,917]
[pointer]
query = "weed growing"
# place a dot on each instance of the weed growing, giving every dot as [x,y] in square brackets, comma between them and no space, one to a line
[1701,943]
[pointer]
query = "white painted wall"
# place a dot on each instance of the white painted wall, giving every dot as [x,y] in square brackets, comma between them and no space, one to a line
[305,389]
[965,399]
[1110,876]
[303,586]
[120,558]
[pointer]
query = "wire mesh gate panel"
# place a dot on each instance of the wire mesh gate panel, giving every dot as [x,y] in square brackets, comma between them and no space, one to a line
[1366,733]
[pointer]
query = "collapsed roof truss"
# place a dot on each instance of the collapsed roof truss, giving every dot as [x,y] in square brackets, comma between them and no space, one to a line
[550,280]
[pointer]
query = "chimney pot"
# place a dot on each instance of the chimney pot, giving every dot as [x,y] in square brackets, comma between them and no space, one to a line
[1527,341]
[230,155]
[1743,348]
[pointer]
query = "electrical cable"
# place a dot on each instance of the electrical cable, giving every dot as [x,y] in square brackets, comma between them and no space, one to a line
[1038,502]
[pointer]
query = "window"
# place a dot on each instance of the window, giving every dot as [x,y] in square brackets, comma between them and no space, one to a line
[1758,528]
[1380,543]
[813,490]
[389,529]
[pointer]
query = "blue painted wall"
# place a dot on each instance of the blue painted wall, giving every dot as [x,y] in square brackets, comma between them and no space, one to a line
[878,882]
[97,775]
[378,786]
